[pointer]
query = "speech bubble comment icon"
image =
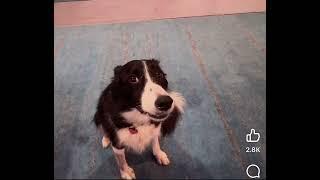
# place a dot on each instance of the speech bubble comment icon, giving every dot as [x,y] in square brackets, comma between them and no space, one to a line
[254,171]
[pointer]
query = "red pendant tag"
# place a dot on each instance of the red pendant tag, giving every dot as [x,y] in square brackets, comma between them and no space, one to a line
[133,130]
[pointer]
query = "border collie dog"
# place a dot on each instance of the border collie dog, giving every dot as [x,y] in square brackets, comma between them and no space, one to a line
[136,109]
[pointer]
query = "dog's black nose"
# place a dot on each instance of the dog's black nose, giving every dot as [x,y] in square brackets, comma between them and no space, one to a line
[163,103]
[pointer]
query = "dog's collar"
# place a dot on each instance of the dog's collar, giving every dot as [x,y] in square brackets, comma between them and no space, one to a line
[133,130]
[139,108]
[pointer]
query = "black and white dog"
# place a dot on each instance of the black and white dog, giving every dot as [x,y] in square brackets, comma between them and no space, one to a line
[136,109]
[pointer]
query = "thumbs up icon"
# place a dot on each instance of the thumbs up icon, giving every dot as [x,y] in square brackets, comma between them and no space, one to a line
[253,136]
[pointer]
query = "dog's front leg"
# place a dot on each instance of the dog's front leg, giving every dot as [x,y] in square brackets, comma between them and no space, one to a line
[161,156]
[125,171]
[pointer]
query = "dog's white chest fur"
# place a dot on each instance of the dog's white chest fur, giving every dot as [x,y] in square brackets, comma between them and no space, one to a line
[140,140]
[146,132]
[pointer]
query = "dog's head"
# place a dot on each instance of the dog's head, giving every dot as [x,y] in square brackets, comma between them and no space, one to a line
[143,84]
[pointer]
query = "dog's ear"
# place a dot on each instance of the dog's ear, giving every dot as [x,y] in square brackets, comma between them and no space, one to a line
[117,70]
[116,77]
[156,61]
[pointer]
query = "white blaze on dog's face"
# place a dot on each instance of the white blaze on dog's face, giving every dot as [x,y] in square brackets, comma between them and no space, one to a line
[150,93]
[155,99]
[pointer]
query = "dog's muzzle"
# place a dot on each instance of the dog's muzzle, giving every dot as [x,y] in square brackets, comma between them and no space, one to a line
[155,117]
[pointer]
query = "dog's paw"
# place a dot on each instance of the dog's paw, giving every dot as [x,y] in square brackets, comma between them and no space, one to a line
[127,173]
[105,142]
[162,158]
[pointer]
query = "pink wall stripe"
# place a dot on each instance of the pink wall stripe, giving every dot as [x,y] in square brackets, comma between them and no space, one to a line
[121,11]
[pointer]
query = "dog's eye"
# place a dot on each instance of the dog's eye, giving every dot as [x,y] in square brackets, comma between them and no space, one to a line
[133,80]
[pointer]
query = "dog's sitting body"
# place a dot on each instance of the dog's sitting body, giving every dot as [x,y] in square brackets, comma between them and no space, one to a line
[136,109]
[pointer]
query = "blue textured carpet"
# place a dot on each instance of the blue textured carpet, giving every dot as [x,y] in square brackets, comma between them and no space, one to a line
[217,62]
